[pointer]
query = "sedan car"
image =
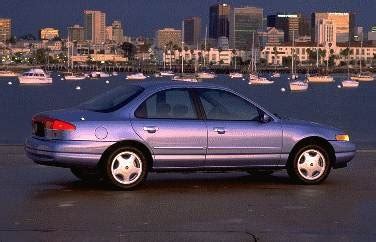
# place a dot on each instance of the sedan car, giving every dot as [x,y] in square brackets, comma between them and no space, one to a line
[131,130]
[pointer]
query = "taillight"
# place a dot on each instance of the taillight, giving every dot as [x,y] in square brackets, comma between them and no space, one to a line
[53,124]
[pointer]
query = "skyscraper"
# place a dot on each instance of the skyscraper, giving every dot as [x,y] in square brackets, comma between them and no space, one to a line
[76,33]
[290,24]
[326,32]
[95,26]
[344,23]
[192,31]
[219,20]
[243,23]
[166,36]
[117,32]
[5,29]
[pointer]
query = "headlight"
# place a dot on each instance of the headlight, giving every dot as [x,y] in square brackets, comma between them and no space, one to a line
[342,137]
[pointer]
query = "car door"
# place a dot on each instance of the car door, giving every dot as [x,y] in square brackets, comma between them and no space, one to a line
[169,122]
[237,136]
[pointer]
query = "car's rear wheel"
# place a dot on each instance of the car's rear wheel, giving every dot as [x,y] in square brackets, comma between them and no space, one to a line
[310,165]
[88,175]
[126,167]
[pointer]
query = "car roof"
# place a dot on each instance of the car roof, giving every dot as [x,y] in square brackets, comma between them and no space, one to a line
[152,85]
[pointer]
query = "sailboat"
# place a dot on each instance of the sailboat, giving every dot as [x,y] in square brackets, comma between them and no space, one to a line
[319,78]
[348,83]
[235,74]
[295,85]
[69,75]
[362,76]
[254,78]
[182,76]
[205,74]
[165,73]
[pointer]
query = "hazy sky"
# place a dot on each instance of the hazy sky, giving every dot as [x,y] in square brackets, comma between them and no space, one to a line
[143,17]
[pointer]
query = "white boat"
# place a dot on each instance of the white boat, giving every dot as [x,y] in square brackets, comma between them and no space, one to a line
[35,76]
[234,75]
[8,74]
[206,75]
[253,77]
[276,75]
[136,76]
[320,78]
[99,74]
[298,86]
[362,77]
[350,84]
[185,78]
[167,73]
[72,76]
[114,73]
[260,81]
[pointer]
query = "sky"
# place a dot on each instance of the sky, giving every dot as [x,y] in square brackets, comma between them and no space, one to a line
[144,17]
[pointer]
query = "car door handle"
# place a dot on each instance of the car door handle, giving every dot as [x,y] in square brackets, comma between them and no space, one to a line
[219,130]
[151,129]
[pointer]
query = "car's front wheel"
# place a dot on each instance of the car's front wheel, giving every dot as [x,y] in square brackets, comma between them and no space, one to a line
[126,167]
[309,165]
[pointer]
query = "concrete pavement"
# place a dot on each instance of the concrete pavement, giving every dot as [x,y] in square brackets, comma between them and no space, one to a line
[40,203]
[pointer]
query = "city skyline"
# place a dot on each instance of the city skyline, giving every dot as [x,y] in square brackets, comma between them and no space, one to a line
[155,15]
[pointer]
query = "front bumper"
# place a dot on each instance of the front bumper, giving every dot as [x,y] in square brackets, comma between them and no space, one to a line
[344,153]
[65,153]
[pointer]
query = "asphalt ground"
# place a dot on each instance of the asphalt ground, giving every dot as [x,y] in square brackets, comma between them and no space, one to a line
[39,203]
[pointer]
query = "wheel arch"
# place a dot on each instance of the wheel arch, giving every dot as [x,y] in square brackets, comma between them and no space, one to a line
[133,143]
[317,141]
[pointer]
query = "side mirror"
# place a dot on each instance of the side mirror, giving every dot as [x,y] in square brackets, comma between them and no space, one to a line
[265,118]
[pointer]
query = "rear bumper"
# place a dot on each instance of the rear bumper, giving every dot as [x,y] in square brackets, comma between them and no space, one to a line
[344,153]
[65,153]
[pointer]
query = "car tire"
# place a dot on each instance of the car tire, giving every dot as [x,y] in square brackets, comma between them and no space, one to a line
[260,172]
[310,165]
[125,168]
[87,175]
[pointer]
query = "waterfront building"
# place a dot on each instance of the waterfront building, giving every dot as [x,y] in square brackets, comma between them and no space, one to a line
[213,56]
[276,55]
[76,33]
[344,23]
[219,20]
[5,29]
[95,26]
[272,36]
[48,33]
[168,37]
[192,31]
[244,22]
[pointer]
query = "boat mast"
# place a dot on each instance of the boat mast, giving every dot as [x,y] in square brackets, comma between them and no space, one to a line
[182,48]
[164,61]
[348,62]
[206,36]
[253,53]
[292,52]
[360,52]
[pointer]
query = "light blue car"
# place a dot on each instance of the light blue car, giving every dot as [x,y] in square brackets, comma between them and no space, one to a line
[131,130]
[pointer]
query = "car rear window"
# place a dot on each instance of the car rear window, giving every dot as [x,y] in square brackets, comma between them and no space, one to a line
[112,100]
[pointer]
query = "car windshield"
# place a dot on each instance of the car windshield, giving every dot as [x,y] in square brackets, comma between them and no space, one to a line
[113,99]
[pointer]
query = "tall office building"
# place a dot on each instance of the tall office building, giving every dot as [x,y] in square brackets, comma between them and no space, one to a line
[192,31]
[5,29]
[290,24]
[117,32]
[95,26]
[243,23]
[219,20]
[48,33]
[326,32]
[166,36]
[344,23]
[76,33]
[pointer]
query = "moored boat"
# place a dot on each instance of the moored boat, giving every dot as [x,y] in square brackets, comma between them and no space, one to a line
[35,76]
